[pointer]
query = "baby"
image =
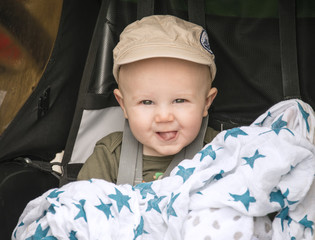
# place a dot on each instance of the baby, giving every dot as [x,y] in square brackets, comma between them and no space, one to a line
[164,68]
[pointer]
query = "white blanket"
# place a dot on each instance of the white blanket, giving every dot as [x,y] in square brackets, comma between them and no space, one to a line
[225,192]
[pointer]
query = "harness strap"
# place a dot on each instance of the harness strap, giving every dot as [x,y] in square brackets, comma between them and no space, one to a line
[130,157]
[288,49]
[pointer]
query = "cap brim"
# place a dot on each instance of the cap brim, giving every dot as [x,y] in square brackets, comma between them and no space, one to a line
[152,51]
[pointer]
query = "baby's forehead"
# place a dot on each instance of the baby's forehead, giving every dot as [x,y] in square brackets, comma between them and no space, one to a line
[168,68]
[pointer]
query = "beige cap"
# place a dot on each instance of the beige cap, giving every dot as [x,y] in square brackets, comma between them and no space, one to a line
[163,36]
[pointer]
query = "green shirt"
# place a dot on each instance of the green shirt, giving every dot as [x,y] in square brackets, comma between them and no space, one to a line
[104,161]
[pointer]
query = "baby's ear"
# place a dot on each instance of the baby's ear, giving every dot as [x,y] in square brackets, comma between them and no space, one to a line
[209,99]
[120,99]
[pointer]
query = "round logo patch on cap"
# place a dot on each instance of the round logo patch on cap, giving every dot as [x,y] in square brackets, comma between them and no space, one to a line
[204,40]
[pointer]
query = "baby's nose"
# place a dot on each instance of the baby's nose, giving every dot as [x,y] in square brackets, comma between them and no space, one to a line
[164,114]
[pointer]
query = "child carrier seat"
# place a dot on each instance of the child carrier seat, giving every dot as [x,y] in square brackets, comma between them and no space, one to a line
[258,49]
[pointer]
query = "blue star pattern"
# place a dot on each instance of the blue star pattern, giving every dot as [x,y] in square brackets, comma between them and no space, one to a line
[121,200]
[219,176]
[251,160]
[41,234]
[277,197]
[245,198]
[307,224]
[154,204]
[262,122]
[55,194]
[145,188]
[208,151]
[170,210]
[234,132]
[81,210]
[284,216]
[305,116]
[286,194]
[51,208]
[139,230]
[215,177]
[278,125]
[105,208]
[72,235]
[20,225]
[185,173]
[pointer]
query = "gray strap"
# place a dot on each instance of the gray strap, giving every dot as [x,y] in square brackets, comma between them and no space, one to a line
[189,151]
[131,152]
[139,175]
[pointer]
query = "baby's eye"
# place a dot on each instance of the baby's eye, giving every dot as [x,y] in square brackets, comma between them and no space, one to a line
[180,100]
[147,102]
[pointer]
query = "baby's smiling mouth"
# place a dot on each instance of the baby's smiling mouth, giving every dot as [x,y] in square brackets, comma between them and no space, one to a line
[167,136]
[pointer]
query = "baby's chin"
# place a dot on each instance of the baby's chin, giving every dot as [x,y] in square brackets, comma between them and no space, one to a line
[168,151]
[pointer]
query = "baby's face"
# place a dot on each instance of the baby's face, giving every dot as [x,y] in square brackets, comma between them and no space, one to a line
[164,100]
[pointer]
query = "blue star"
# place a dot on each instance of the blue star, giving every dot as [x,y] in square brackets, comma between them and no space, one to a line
[286,196]
[121,200]
[54,194]
[215,177]
[262,122]
[246,199]
[251,160]
[286,193]
[51,208]
[41,234]
[20,225]
[81,210]
[291,202]
[145,188]
[234,132]
[72,235]
[277,197]
[170,210]
[185,173]
[154,204]
[278,125]
[284,215]
[208,151]
[219,176]
[105,208]
[305,116]
[139,230]
[306,223]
